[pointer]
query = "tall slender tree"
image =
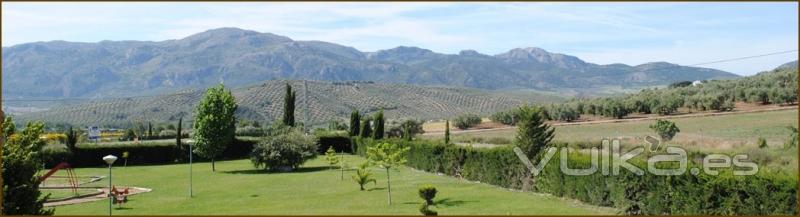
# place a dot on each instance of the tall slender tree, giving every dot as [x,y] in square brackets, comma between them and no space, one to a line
[215,124]
[378,132]
[366,128]
[288,106]
[149,130]
[178,132]
[533,136]
[355,121]
[447,132]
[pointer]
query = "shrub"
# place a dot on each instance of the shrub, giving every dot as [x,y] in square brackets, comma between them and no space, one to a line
[331,157]
[21,162]
[249,131]
[665,129]
[427,193]
[762,143]
[284,152]
[465,121]
[363,176]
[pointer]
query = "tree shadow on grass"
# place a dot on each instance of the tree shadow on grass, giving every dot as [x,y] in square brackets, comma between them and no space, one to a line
[376,189]
[122,208]
[445,202]
[262,171]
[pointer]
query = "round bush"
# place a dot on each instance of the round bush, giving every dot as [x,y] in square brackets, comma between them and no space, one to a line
[284,152]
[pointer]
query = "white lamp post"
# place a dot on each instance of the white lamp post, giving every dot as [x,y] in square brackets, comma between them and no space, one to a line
[110,160]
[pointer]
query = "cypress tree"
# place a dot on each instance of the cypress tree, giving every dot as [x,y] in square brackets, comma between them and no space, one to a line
[447,132]
[366,129]
[178,131]
[377,133]
[149,130]
[355,120]
[288,106]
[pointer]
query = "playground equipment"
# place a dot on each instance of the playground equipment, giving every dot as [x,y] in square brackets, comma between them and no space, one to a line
[119,197]
[71,177]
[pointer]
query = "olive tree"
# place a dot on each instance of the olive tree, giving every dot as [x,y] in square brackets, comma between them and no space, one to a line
[665,129]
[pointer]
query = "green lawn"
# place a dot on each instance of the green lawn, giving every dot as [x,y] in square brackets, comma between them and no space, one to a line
[238,189]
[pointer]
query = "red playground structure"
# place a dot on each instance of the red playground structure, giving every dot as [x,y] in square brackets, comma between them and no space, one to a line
[71,177]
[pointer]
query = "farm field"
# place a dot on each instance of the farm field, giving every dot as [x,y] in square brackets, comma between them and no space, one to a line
[712,132]
[313,189]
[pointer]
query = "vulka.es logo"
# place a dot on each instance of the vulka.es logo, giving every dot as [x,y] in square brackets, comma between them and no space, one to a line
[610,159]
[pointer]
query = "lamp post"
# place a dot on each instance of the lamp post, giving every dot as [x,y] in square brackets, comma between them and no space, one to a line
[190,166]
[110,160]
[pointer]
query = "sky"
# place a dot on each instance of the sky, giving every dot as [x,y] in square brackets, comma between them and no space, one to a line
[603,33]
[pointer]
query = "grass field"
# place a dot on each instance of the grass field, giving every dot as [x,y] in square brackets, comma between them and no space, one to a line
[712,132]
[238,189]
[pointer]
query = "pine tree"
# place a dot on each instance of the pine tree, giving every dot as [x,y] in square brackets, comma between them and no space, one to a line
[378,132]
[355,121]
[288,106]
[330,156]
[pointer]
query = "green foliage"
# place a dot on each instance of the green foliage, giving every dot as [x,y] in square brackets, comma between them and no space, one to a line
[791,142]
[330,156]
[767,193]
[335,124]
[366,128]
[509,117]
[72,139]
[447,132]
[378,131]
[562,112]
[533,135]
[355,122]
[680,84]
[288,106]
[762,143]
[21,161]
[8,127]
[363,176]
[284,152]
[179,133]
[404,128]
[215,124]
[427,193]
[465,121]
[665,129]
[387,156]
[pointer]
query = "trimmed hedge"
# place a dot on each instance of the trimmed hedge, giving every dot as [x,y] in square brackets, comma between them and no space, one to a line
[144,153]
[339,143]
[766,193]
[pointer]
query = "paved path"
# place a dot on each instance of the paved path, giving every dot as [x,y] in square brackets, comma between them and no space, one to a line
[102,195]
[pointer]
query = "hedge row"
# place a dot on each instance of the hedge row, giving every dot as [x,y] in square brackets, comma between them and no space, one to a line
[163,152]
[763,194]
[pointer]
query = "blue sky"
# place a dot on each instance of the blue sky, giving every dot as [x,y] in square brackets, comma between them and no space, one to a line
[604,33]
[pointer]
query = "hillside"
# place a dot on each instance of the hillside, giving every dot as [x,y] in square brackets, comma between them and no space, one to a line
[326,100]
[60,69]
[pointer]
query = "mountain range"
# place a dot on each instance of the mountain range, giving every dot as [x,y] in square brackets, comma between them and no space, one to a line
[237,58]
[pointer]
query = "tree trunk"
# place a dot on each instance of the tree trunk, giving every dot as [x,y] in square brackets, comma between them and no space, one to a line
[389,185]
[526,182]
[213,167]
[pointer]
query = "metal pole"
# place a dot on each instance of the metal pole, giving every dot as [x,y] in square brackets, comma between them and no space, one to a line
[190,170]
[110,197]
